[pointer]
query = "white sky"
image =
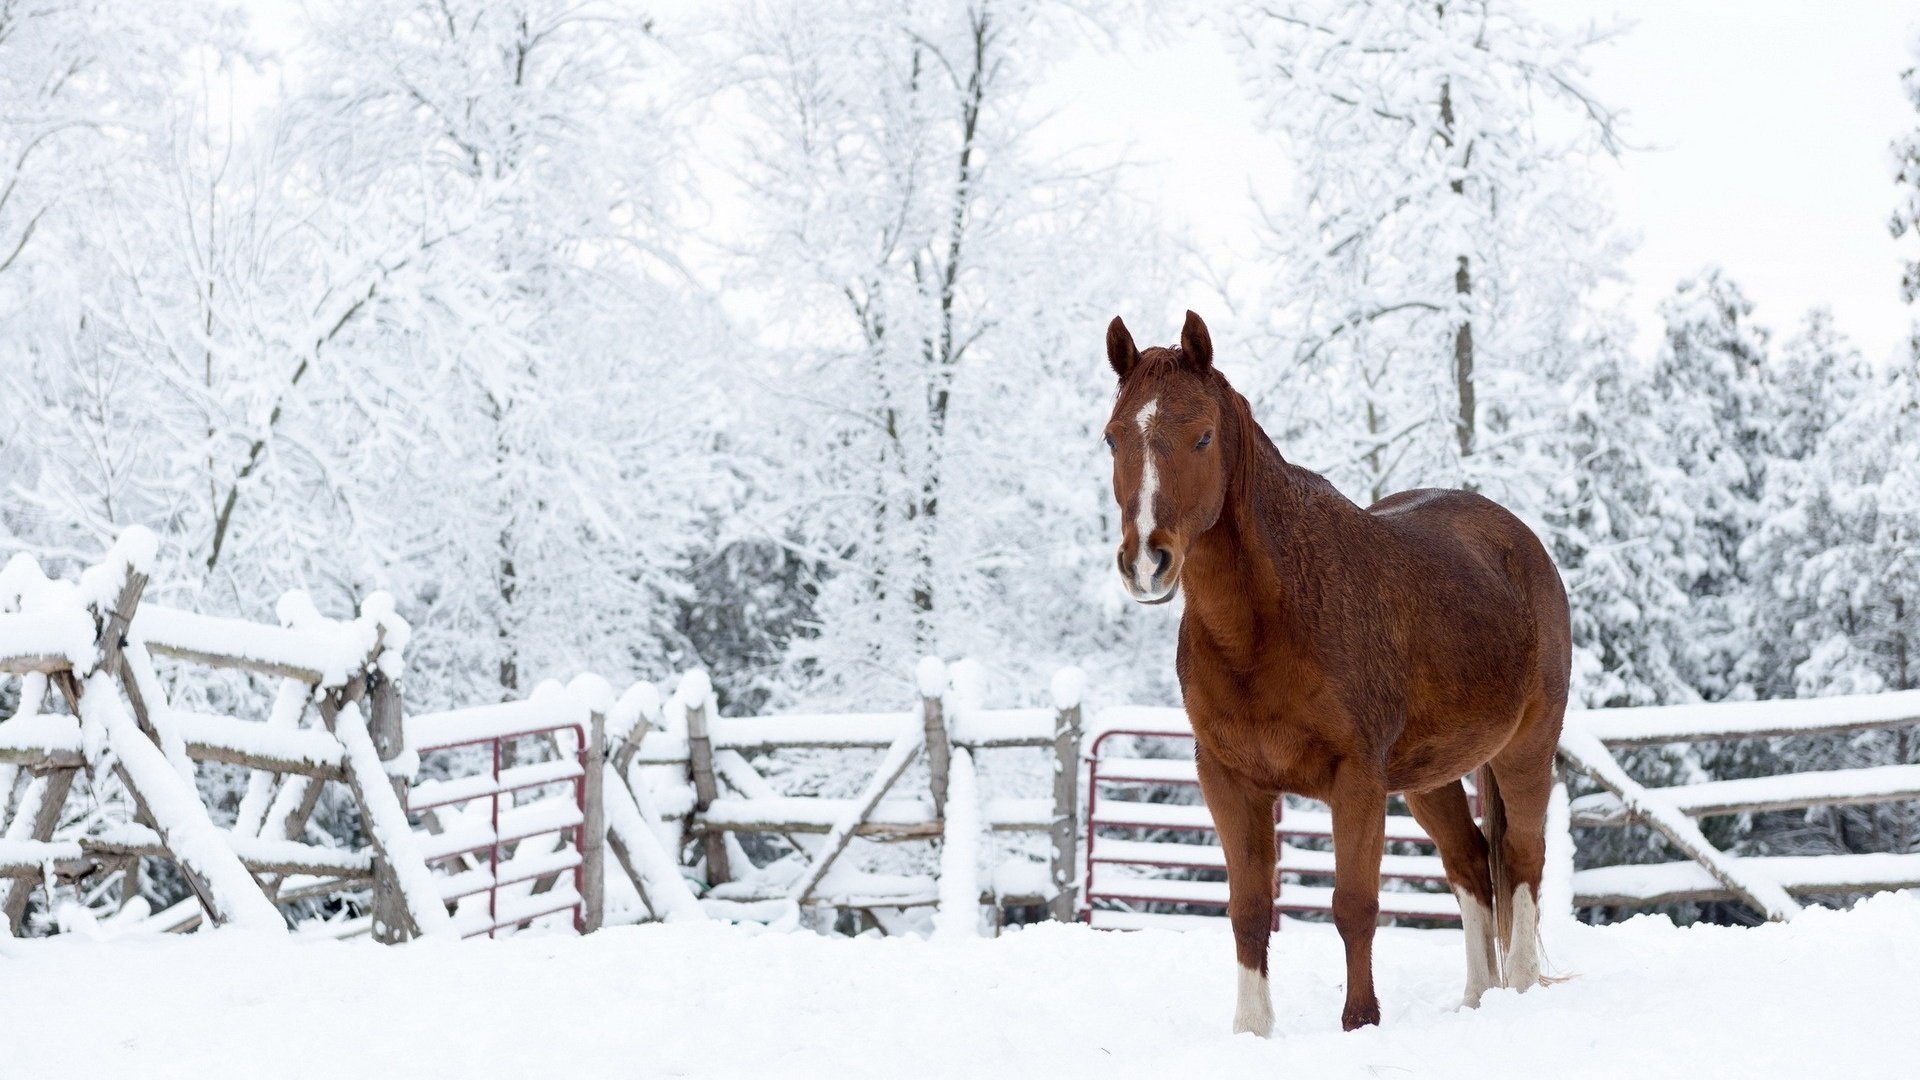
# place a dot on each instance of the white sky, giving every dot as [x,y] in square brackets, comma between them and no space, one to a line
[1767,123]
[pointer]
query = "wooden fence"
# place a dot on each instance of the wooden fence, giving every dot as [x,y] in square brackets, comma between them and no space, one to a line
[528,797]
[531,795]
[1767,884]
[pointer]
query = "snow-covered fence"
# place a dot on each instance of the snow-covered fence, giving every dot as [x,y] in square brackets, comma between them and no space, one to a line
[516,843]
[723,795]
[1767,884]
[92,643]
[337,717]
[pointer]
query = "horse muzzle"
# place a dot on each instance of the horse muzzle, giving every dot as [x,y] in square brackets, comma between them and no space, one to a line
[1152,576]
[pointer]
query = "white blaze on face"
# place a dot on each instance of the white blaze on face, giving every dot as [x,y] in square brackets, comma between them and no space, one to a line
[1143,560]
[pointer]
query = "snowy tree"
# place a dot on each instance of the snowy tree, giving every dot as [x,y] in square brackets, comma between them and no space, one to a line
[938,405]
[1622,533]
[528,338]
[1714,377]
[1439,249]
[1803,557]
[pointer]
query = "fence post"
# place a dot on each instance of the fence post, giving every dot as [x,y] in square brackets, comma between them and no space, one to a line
[387,727]
[932,677]
[593,829]
[1068,684]
[697,693]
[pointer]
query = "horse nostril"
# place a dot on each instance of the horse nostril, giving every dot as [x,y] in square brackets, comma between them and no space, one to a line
[1161,558]
[1121,557]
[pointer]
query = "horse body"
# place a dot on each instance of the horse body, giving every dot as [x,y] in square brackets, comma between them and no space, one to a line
[1344,654]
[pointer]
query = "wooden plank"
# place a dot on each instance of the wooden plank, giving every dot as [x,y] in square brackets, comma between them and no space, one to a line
[52,798]
[654,871]
[935,741]
[264,762]
[1760,794]
[34,664]
[41,760]
[592,837]
[899,756]
[412,905]
[1063,858]
[705,790]
[1656,725]
[1642,885]
[237,663]
[1754,887]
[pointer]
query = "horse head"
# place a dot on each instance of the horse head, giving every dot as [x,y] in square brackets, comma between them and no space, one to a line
[1169,468]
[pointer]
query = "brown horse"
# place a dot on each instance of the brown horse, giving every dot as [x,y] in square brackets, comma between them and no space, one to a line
[1343,654]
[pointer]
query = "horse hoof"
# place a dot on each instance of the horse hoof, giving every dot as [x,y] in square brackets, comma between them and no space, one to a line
[1359,1016]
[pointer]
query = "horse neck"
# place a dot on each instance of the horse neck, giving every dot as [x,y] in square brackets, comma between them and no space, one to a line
[1257,547]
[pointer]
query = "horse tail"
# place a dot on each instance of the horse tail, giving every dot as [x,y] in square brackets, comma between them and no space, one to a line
[1493,823]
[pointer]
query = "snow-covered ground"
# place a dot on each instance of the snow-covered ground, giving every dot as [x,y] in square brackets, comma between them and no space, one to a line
[1831,995]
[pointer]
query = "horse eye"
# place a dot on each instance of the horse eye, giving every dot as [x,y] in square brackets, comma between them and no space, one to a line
[1109,442]
[1204,440]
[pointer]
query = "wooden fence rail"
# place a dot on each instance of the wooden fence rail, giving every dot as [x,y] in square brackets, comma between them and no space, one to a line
[669,788]
[1768,885]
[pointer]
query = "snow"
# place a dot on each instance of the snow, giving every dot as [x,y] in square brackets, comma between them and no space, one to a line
[640,704]
[1745,719]
[1876,783]
[1069,683]
[695,689]
[931,676]
[64,634]
[812,812]
[330,657]
[50,733]
[177,810]
[132,553]
[311,746]
[1599,764]
[389,827]
[289,704]
[1797,873]
[723,1001]
[667,891]
[1149,719]
[959,914]
[433,731]
[37,852]
[987,728]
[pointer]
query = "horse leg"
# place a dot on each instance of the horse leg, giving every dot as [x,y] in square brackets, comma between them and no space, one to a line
[1525,777]
[1243,816]
[1443,812]
[1359,805]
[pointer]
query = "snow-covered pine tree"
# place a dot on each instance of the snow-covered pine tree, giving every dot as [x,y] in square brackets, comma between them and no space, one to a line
[1439,250]
[1718,407]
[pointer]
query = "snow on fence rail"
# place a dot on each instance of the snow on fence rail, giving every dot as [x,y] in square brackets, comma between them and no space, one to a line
[729,797]
[667,788]
[518,843]
[1769,885]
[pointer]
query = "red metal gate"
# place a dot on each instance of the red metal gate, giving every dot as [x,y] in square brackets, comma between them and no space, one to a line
[509,824]
[1139,822]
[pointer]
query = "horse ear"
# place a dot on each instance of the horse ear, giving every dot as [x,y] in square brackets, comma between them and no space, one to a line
[1120,349]
[1196,345]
